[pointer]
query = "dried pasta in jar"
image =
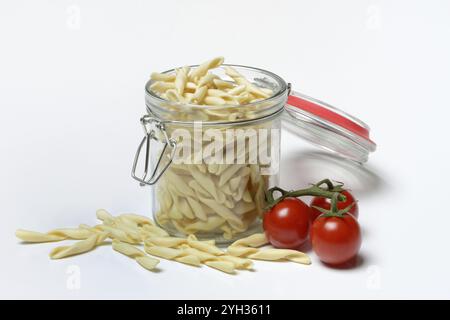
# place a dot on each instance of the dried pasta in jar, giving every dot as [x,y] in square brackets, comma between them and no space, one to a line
[218,128]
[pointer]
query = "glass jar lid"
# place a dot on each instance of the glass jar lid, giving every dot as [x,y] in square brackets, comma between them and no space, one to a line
[328,127]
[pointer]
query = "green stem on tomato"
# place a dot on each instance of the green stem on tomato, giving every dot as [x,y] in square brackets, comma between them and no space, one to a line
[314,190]
[331,187]
[334,211]
[327,182]
[269,195]
[334,201]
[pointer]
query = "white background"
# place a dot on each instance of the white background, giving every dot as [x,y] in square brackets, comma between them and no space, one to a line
[72,75]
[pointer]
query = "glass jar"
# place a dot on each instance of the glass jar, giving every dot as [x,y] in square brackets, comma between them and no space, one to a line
[213,164]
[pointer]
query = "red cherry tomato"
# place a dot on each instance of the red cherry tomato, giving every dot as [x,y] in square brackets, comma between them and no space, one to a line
[336,240]
[326,204]
[287,223]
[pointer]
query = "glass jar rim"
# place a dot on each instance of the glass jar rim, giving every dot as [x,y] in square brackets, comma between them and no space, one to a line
[283,88]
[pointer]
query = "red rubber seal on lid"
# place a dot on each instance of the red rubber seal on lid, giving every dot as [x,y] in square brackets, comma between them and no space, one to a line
[328,115]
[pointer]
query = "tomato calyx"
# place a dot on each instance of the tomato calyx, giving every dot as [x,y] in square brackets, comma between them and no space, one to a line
[334,211]
[315,190]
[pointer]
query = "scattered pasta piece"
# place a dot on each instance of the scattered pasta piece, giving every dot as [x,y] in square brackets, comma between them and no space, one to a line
[118,234]
[169,242]
[141,220]
[247,247]
[256,240]
[172,254]
[281,254]
[224,266]
[147,262]
[134,253]
[54,235]
[36,237]
[163,252]
[238,251]
[189,259]
[239,263]
[202,246]
[79,247]
[103,215]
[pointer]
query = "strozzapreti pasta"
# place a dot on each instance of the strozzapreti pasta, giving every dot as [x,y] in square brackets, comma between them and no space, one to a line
[246,247]
[79,247]
[55,235]
[187,250]
[144,260]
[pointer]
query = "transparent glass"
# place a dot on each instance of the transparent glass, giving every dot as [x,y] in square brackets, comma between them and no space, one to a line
[226,157]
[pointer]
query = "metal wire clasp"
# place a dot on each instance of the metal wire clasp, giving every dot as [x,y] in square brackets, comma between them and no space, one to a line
[151,127]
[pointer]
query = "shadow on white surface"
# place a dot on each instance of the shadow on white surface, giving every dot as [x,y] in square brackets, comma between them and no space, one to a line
[359,261]
[302,168]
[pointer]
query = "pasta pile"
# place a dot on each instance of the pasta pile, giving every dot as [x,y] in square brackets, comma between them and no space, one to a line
[217,200]
[127,231]
[211,203]
[201,87]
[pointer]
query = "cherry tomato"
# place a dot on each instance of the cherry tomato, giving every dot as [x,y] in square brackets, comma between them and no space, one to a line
[336,240]
[287,223]
[326,204]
